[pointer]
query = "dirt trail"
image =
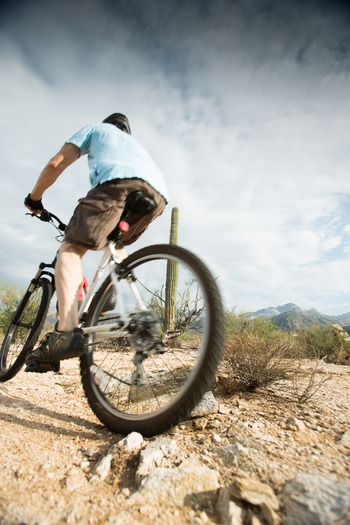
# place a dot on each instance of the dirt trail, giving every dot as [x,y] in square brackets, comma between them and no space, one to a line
[51,442]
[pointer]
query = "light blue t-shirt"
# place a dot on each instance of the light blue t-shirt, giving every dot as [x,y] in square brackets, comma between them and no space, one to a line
[114,154]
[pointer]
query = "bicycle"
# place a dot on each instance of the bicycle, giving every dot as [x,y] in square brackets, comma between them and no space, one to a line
[153,328]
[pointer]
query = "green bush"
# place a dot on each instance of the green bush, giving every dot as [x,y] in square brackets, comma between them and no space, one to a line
[237,323]
[10,298]
[329,343]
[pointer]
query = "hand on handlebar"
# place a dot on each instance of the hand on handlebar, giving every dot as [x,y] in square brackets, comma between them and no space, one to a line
[35,207]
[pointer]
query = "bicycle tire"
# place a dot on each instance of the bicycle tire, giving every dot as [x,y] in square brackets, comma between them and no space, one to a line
[180,374]
[25,328]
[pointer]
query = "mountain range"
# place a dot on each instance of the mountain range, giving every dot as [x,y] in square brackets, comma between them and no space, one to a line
[290,317]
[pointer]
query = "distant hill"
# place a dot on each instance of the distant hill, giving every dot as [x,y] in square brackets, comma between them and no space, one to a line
[290,317]
[297,319]
[344,319]
[273,311]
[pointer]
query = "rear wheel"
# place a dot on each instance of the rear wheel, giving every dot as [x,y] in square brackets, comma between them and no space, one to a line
[25,328]
[150,376]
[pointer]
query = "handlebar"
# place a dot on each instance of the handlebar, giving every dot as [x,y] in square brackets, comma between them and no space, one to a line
[47,216]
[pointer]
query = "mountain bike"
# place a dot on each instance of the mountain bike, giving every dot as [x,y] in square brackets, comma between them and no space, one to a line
[153,328]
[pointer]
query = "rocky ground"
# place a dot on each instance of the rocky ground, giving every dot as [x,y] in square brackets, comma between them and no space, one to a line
[261,458]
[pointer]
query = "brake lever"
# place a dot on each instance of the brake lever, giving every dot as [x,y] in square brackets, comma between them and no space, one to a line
[46,216]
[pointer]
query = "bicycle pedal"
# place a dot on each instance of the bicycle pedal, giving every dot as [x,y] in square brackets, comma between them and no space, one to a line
[41,368]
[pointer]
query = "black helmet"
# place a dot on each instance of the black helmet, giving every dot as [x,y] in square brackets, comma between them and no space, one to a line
[119,120]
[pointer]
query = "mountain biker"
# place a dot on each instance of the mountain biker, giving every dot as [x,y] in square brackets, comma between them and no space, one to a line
[118,166]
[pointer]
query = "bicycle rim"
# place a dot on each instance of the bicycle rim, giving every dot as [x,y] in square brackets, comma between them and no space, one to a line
[24,329]
[184,329]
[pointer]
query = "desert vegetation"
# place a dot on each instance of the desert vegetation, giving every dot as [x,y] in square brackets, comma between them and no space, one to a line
[257,353]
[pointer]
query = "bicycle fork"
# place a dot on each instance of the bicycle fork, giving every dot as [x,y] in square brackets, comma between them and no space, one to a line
[42,273]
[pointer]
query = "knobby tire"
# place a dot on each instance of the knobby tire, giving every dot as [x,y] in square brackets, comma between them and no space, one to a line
[25,328]
[104,400]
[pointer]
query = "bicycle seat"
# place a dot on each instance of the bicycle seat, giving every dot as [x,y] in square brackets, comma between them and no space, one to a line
[137,202]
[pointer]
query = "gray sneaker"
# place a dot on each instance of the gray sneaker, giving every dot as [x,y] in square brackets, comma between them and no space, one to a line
[59,345]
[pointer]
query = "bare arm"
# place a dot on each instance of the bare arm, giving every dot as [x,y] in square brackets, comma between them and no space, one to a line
[68,154]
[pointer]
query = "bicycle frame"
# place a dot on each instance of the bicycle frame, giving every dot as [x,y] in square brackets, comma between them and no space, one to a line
[110,261]
[109,265]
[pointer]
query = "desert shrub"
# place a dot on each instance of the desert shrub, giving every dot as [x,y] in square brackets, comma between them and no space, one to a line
[256,354]
[329,343]
[307,379]
[10,296]
[237,323]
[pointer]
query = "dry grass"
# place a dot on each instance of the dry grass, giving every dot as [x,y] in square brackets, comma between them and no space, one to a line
[253,361]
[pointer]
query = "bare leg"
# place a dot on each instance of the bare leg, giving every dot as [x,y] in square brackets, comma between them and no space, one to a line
[68,277]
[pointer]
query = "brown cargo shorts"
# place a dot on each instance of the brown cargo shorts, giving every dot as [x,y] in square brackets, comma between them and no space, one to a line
[97,214]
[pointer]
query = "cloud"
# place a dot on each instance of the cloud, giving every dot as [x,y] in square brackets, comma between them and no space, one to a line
[244,106]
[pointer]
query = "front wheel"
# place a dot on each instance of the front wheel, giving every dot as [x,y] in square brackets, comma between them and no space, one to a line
[148,376]
[24,328]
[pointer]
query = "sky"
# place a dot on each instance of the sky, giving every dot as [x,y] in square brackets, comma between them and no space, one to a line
[243,104]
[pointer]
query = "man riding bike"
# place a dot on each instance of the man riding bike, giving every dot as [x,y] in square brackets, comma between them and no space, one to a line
[118,166]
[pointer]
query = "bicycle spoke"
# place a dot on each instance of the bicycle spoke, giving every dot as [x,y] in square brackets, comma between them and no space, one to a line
[146,375]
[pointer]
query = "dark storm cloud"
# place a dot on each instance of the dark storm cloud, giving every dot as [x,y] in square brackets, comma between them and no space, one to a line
[176,34]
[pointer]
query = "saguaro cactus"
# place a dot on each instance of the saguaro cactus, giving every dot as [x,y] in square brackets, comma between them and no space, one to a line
[171,275]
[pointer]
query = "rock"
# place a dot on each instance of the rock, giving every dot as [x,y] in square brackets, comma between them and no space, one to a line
[207,405]
[316,500]
[75,479]
[131,442]
[223,409]
[230,513]
[85,465]
[216,438]
[232,503]
[232,455]
[294,424]
[177,487]
[152,455]
[175,484]
[167,446]
[259,494]
[103,466]
[345,439]
[200,423]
